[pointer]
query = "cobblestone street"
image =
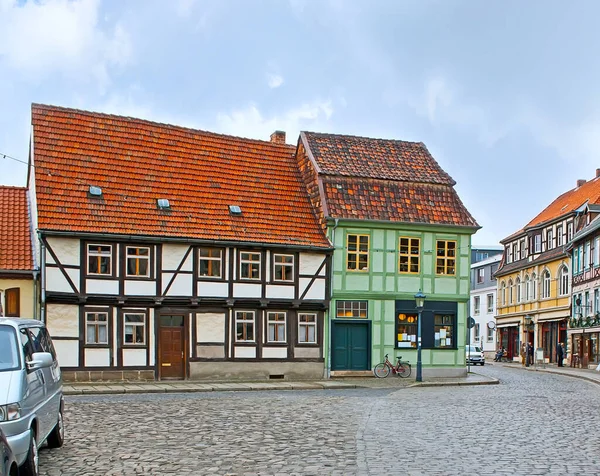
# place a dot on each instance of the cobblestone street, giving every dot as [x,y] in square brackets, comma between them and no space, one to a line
[532,423]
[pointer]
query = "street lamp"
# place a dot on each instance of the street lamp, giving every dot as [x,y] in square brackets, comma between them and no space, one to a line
[420,302]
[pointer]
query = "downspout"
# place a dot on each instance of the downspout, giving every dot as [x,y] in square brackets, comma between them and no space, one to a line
[35,296]
[42,279]
[328,369]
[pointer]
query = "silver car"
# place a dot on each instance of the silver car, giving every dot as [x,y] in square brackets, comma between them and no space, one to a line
[474,355]
[31,397]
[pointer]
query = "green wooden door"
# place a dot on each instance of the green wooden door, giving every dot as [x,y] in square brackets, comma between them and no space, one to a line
[350,345]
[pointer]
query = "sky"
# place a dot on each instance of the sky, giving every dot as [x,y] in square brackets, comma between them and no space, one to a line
[503,93]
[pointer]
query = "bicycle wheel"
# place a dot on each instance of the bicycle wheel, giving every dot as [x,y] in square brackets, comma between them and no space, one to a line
[404,370]
[381,370]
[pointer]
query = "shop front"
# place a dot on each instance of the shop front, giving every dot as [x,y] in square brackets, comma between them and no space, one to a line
[553,332]
[584,347]
[508,339]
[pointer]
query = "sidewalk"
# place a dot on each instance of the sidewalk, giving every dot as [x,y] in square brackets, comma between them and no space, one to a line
[585,374]
[99,388]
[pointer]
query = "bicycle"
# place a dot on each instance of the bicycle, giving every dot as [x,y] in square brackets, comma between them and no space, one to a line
[383,369]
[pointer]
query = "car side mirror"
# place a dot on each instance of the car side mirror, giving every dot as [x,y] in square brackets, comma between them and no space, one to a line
[40,360]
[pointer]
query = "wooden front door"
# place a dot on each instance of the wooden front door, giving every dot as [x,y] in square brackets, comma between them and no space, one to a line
[172,347]
[350,345]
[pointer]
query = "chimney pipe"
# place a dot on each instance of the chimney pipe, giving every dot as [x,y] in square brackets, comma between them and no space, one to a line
[580,182]
[597,172]
[278,137]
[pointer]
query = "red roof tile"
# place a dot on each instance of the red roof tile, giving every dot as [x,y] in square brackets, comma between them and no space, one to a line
[136,162]
[15,231]
[390,180]
[569,201]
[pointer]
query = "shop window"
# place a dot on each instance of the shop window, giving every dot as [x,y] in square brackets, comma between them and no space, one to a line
[443,327]
[407,330]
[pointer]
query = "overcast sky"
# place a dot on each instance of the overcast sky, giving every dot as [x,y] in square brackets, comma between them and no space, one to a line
[504,93]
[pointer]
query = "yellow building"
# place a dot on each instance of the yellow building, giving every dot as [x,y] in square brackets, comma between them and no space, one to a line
[534,276]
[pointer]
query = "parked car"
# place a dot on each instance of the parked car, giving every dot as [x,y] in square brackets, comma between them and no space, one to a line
[474,355]
[31,397]
[8,463]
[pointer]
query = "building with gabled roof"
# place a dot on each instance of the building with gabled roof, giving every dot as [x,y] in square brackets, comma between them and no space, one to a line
[170,252]
[397,226]
[18,271]
[534,277]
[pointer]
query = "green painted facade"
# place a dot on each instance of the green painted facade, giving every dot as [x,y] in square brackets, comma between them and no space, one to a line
[383,285]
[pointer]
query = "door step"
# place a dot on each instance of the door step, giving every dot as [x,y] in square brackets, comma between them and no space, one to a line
[351,373]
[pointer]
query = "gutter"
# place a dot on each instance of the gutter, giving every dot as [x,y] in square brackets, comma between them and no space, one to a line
[42,278]
[453,228]
[328,368]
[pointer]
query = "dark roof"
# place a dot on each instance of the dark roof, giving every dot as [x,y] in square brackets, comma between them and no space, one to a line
[15,230]
[135,162]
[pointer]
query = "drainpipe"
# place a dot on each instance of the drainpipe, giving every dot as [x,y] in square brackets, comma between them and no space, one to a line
[328,369]
[42,279]
[35,296]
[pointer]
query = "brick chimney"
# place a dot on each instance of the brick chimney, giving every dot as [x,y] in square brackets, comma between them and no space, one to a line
[597,172]
[580,182]
[278,137]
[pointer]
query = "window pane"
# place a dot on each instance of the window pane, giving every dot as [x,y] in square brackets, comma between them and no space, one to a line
[91,334]
[311,334]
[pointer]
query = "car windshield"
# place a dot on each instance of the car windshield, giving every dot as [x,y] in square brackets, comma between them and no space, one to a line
[9,352]
[472,348]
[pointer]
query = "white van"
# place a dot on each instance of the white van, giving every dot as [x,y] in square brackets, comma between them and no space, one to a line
[31,397]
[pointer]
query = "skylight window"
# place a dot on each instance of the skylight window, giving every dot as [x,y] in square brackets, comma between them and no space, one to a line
[235,210]
[163,204]
[95,191]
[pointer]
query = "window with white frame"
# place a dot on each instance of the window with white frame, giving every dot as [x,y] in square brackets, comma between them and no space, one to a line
[569,231]
[510,291]
[587,303]
[563,280]
[134,328]
[138,261]
[580,259]
[597,251]
[596,300]
[549,239]
[283,267]
[477,335]
[210,263]
[523,254]
[99,259]
[527,288]
[480,275]
[249,265]
[490,303]
[276,325]
[587,256]
[503,293]
[537,243]
[515,251]
[545,284]
[244,326]
[508,252]
[490,335]
[476,305]
[96,327]
[307,328]
[533,287]
[518,289]
[559,235]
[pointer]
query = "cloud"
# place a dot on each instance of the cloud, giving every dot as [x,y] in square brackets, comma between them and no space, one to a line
[60,36]
[274,80]
[251,122]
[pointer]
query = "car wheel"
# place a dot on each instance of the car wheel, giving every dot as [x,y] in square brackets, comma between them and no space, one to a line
[57,435]
[31,465]
[482,364]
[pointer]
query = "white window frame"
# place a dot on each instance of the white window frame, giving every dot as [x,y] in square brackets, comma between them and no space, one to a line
[129,256]
[97,254]
[134,325]
[283,265]
[248,260]
[597,251]
[545,284]
[275,323]
[563,281]
[97,324]
[243,320]
[518,289]
[527,288]
[476,305]
[503,293]
[210,260]
[476,332]
[587,257]
[559,235]
[490,335]
[490,303]
[549,239]
[569,231]
[537,243]
[533,287]
[480,275]
[511,291]
[303,328]
[596,300]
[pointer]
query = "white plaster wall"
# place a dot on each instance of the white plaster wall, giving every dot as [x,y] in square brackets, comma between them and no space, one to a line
[306,352]
[97,357]
[140,288]
[310,262]
[210,327]
[173,254]
[212,289]
[280,292]
[274,352]
[56,281]
[246,290]
[74,275]
[62,320]
[67,352]
[182,285]
[316,291]
[101,286]
[245,352]
[67,250]
[134,357]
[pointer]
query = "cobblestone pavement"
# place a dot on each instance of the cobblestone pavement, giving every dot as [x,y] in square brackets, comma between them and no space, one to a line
[532,423]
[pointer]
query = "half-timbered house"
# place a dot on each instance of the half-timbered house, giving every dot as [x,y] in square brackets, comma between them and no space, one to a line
[169,252]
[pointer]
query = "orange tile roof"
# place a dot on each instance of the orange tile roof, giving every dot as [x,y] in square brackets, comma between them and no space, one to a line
[569,201]
[389,180]
[15,231]
[136,162]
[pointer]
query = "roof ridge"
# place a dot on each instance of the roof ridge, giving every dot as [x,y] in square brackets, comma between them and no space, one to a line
[12,187]
[52,107]
[333,134]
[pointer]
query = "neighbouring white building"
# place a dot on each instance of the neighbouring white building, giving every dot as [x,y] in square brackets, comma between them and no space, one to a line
[483,303]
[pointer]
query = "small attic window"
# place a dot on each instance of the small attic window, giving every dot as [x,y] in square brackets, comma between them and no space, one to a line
[95,191]
[235,210]
[163,204]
